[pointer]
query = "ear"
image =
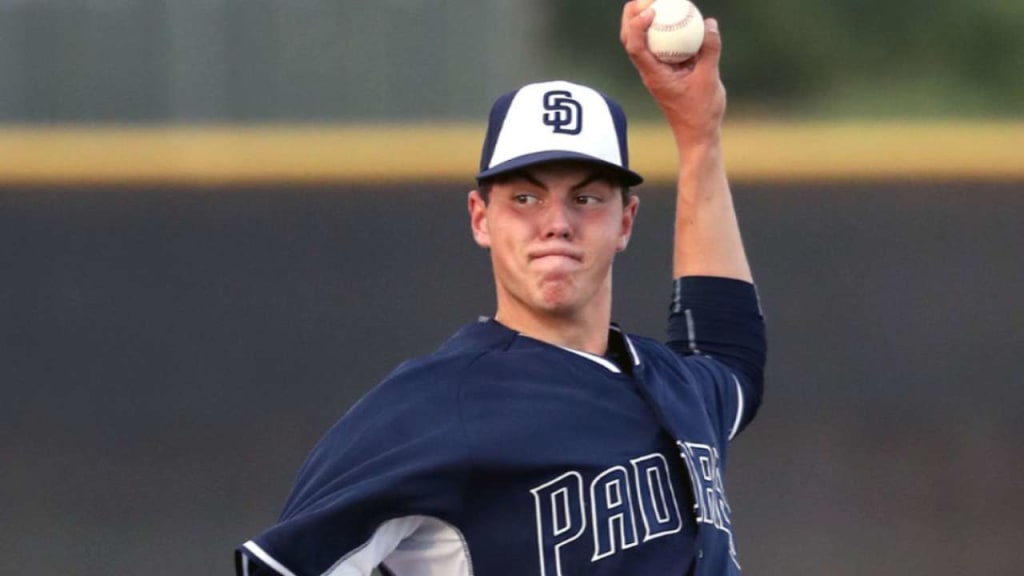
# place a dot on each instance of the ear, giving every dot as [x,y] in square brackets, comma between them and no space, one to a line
[628,218]
[478,219]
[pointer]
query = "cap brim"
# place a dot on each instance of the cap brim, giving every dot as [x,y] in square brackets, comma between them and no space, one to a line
[629,178]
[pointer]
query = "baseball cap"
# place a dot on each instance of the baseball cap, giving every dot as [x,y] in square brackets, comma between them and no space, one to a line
[558,120]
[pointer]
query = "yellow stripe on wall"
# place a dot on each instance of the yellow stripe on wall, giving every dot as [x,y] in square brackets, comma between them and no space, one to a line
[755,152]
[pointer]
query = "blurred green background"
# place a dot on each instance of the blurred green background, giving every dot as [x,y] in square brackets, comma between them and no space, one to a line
[299,60]
[915,58]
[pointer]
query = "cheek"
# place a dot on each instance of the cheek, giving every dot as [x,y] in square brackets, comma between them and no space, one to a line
[510,232]
[505,246]
[608,233]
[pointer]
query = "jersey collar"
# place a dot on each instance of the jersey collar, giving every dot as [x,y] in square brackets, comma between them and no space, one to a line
[615,337]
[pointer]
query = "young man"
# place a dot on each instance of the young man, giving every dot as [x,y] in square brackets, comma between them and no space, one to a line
[544,440]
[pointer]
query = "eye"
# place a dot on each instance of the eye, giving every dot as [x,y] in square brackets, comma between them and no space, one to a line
[525,199]
[587,199]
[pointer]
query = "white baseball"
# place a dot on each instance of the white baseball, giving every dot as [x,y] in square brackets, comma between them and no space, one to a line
[677,32]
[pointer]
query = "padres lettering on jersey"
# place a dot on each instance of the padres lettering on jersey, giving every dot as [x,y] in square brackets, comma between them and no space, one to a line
[710,505]
[626,506]
[611,501]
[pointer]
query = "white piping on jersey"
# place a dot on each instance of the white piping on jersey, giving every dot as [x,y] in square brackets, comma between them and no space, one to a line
[266,558]
[629,344]
[691,335]
[409,546]
[595,358]
[691,331]
[739,408]
[604,361]
[632,351]
[245,564]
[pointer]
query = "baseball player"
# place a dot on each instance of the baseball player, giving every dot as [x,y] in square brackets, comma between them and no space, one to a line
[545,440]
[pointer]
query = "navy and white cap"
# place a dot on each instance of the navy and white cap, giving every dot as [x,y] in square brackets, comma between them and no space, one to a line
[558,120]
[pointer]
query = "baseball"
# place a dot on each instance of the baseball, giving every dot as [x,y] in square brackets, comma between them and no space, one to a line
[677,32]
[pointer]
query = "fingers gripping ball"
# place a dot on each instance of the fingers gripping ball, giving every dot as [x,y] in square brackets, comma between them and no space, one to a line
[677,32]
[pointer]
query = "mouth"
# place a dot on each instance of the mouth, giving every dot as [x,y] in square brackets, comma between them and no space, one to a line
[556,254]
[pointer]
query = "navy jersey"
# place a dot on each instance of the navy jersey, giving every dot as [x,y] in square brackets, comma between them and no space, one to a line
[500,454]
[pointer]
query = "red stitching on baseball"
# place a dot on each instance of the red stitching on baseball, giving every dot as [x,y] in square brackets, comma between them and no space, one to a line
[675,25]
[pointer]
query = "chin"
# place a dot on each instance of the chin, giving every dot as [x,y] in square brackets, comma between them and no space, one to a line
[558,301]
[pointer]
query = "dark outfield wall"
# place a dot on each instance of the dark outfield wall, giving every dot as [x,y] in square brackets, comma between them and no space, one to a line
[168,357]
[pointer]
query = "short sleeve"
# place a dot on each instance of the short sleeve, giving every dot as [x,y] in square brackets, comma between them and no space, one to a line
[398,456]
[717,324]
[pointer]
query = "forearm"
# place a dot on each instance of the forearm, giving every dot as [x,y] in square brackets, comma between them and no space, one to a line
[691,96]
[707,234]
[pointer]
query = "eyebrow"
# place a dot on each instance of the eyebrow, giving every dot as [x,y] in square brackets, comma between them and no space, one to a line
[592,177]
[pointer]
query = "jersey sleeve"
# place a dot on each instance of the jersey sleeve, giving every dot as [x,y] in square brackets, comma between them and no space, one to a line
[397,458]
[718,325]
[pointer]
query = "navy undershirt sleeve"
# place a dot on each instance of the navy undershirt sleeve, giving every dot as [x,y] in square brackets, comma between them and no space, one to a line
[721,318]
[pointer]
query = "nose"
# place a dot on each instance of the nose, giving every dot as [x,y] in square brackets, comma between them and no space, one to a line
[558,222]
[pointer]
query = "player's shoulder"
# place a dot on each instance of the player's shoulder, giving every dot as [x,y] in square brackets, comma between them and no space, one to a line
[463,349]
[440,373]
[665,359]
[420,396]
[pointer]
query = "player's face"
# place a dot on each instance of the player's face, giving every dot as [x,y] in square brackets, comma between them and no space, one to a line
[553,232]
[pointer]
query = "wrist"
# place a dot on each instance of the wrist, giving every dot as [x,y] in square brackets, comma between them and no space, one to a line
[690,138]
[699,151]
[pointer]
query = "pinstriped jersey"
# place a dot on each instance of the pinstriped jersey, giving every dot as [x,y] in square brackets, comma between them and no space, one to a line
[500,454]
